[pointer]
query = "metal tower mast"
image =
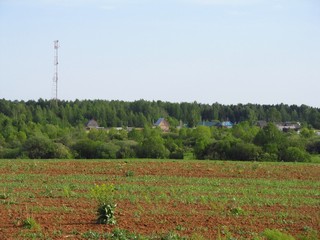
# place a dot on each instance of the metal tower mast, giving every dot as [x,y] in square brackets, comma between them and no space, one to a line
[55,76]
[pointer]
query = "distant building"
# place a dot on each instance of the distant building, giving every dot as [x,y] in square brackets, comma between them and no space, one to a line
[286,126]
[162,124]
[225,124]
[92,124]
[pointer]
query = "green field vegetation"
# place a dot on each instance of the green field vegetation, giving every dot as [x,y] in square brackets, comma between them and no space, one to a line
[239,195]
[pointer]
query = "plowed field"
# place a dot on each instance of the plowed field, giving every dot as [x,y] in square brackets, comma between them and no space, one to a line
[196,199]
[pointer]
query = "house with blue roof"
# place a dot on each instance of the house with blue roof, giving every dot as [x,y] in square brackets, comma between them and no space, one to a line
[225,124]
[162,124]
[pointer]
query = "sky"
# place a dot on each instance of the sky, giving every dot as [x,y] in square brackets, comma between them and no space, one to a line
[208,51]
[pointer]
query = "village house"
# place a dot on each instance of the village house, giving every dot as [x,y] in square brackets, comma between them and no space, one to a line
[92,124]
[287,126]
[162,124]
[225,124]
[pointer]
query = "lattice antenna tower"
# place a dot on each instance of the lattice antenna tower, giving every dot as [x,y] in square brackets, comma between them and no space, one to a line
[55,75]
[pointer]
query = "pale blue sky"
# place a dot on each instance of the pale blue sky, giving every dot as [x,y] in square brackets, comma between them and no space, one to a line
[226,51]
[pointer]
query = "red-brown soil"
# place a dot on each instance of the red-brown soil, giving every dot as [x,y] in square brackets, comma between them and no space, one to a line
[68,218]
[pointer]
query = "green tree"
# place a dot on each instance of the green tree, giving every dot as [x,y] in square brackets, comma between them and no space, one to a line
[245,131]
[98,135]
[152,146]
[202,136]
[268,135]
[136,135]
[274,115]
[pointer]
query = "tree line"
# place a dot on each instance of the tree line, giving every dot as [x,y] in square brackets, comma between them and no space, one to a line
[45,129]
[140,113]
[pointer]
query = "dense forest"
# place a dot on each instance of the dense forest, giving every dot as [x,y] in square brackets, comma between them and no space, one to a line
[48,129]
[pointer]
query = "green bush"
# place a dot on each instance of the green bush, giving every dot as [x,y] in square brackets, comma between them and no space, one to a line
[9,153]
[268,157]
[39,147]
[107,150]
[128,149]
[314,146]
[176,154]
[61,151]
[89,149]
[244,151]
[294,154]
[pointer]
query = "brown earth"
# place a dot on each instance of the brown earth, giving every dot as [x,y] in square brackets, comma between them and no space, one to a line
[68,218]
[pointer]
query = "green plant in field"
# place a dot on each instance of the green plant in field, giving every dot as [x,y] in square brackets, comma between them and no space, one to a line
[116,234]
[91,235]
[7,198]
[197,236]
[104,195]
[227,234]
[238,211]
[48,192]
[309,234]
[274,234]
[57,233]
[180,228]
[129,173]
[31,223]
[4,196]
[75,232]
[105,214]
[120,234]
[172,236]
[32,235]
[67,191]
[234,208]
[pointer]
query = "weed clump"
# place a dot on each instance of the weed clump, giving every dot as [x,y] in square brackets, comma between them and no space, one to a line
[104,195]
[129,173]
[31,223]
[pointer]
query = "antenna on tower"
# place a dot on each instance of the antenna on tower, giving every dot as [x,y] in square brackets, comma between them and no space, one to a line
[55,75]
